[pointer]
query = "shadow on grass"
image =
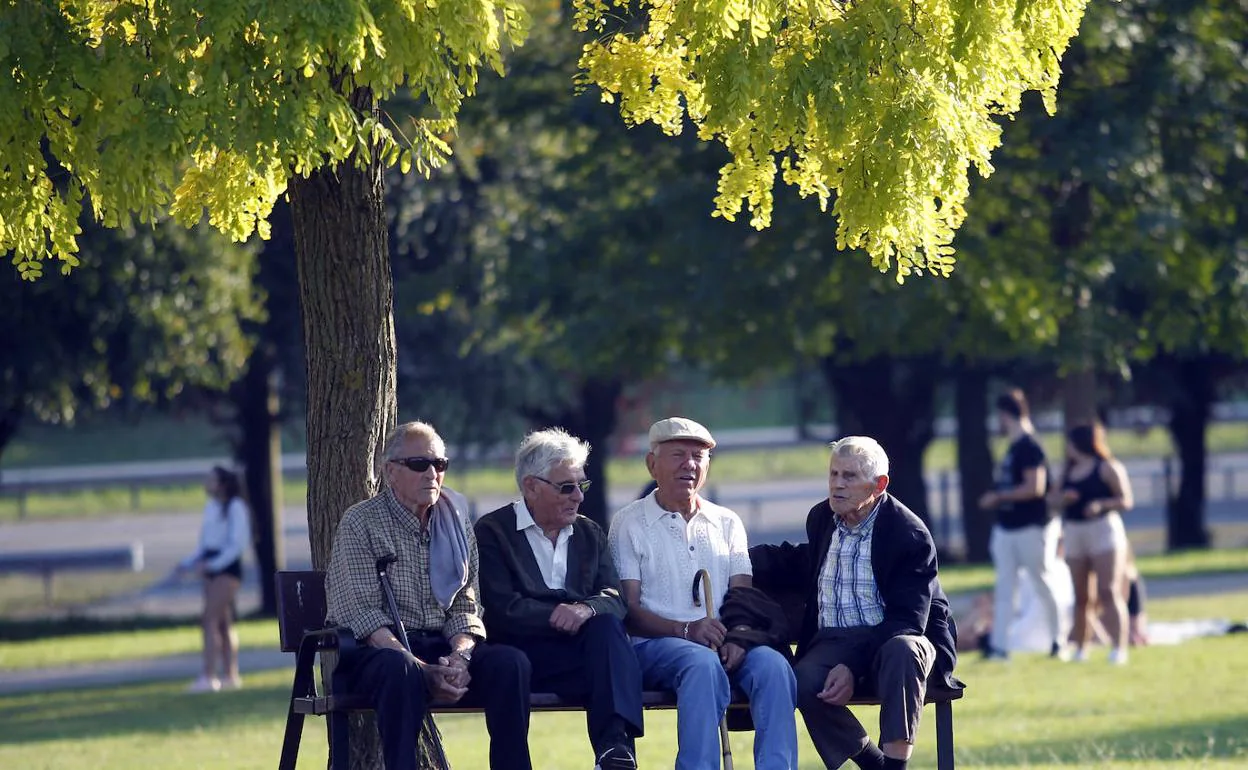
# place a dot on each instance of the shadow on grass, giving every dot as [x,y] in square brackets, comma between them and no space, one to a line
[134,710]
[1179,741]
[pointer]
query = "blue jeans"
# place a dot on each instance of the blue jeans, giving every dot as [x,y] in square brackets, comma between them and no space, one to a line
[702,691]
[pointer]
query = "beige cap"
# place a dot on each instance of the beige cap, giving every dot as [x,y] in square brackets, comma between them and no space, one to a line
[680,429]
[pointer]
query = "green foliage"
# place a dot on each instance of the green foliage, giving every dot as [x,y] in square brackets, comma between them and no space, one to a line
[186,106]
[881,105]
[151,311]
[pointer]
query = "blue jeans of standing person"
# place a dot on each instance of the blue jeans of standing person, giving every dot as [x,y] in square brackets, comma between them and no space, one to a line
[703,689]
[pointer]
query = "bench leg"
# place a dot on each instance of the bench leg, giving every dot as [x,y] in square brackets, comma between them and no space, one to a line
[944,735]
[338,723]
[302,687]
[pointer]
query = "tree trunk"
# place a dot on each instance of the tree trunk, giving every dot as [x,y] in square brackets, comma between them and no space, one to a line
[1190,409]
[260,451]
[894,402]
[10,420]
[1079,397]
[346,297]
[974,459]
[592,419]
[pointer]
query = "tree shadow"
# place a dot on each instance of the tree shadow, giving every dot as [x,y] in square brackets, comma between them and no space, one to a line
[147,708]
[1176,741]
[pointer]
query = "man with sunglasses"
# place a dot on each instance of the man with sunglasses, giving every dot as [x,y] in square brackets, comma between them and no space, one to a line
[434,575]
[659,543]
[549,587]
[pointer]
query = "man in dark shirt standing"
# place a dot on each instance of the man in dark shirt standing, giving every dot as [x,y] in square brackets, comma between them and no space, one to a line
[1025,536]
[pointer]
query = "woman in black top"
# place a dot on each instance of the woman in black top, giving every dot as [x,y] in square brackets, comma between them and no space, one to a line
[1093,492]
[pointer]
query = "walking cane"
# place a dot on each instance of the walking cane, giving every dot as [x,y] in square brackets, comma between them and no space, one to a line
[429,751]
[703,578]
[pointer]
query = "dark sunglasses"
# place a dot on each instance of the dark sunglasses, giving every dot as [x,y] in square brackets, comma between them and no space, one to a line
[568,487]
[421,464]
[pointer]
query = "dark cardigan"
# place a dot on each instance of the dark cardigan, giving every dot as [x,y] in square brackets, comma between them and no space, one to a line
[903,558]
[516,601]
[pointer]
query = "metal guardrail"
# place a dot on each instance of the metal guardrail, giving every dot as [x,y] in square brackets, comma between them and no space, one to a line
[48,563]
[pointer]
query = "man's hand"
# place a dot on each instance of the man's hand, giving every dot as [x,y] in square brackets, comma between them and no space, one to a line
[707,631]
[838,688]
[989,500]
[442,681]
[731,655]
[460,666]
[569,618]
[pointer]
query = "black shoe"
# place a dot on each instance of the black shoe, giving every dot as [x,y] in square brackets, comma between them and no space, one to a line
[616,758]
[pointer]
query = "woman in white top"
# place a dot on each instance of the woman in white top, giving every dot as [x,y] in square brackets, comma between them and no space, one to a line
[223,538]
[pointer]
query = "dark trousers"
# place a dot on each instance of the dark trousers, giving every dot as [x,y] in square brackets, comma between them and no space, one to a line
[897,676]
[599,665]
[396,689]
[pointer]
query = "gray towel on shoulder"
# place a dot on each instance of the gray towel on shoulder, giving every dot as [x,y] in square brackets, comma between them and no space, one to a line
[448,552]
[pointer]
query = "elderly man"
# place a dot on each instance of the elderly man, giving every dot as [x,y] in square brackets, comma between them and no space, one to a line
[876,620]
[435,585]
[549,588]
[660,543]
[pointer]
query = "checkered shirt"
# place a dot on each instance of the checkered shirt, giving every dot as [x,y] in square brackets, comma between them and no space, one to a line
[378,527]
[848,595]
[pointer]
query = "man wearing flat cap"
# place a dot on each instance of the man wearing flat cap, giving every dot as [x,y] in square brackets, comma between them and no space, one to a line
[659,543]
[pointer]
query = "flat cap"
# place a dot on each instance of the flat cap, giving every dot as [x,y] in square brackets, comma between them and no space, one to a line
[680,429]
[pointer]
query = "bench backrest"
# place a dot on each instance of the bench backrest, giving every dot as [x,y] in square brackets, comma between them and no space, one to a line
[300,605]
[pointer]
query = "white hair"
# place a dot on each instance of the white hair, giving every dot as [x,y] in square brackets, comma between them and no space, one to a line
[872,459]
[399,434]
[542,450]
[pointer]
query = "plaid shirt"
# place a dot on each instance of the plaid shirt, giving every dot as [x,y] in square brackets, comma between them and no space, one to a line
[848,595]
[377,527]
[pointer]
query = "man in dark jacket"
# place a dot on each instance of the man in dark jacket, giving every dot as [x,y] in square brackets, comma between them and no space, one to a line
[549,587]
[875,619]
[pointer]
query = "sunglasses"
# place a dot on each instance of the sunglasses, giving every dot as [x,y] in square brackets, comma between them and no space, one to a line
[568,487]
[421,464]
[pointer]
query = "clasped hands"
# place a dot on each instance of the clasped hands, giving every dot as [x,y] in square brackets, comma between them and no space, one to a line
[711,632]
[447,680]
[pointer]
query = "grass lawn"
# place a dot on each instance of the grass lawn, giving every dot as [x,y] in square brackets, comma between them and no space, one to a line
[962,578]
[1171,708]
[75,649]
[807,461]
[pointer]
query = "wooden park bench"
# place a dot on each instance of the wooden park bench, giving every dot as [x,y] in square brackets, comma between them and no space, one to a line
[46,564]
[301,625]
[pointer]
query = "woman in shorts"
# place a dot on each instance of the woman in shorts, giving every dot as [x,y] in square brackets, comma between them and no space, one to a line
[1093,493]
[224,536]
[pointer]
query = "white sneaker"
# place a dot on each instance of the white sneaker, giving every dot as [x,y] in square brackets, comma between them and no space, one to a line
[231,683]
[1081,655]
[1118,656]
[205,684]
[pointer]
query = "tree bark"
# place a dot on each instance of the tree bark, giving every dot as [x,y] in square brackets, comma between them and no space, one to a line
[974,459]
[894,402]
[346,293]
[1190,408]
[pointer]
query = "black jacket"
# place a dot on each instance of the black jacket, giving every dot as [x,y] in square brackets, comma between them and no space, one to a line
[903,558]
[516,601]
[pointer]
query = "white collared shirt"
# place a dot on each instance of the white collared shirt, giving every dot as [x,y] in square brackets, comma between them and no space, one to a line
[663,552]
[552,558]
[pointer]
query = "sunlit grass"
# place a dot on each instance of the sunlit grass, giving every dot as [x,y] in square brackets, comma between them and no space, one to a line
[1170,708]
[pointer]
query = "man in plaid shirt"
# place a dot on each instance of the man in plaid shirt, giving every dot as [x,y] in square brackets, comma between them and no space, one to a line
[434,575]
[876,620]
